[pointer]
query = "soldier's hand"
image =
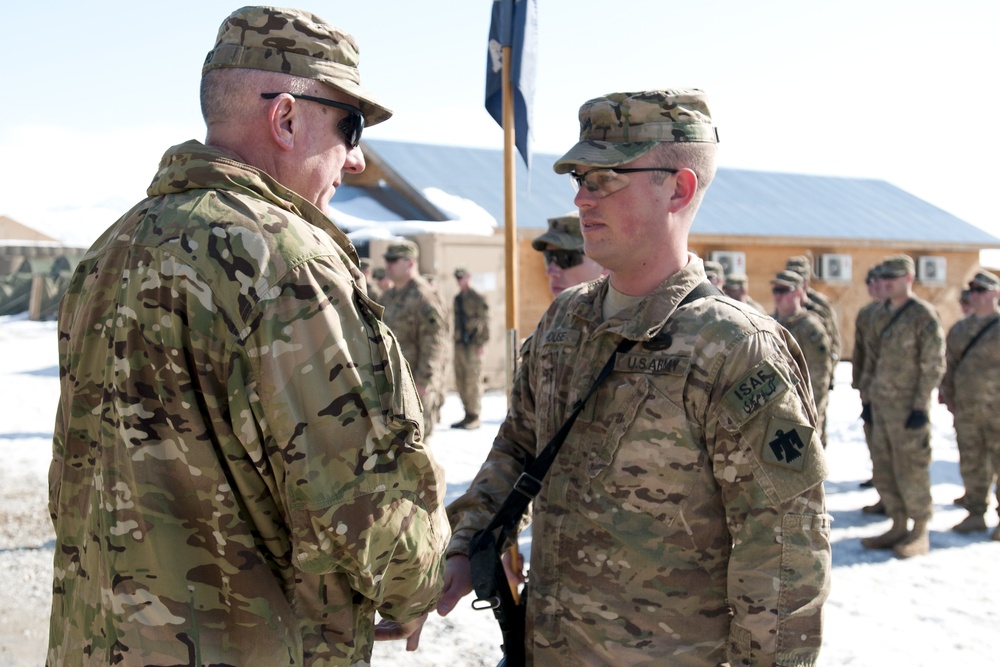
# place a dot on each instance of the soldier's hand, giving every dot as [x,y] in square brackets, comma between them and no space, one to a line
[866,413]
[391,630]
[457,583]
[917,419]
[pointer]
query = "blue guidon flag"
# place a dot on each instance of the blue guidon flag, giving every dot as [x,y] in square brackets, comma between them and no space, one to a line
[514,24]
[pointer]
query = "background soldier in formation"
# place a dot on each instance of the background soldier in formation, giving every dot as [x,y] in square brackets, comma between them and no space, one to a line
[206,495]
[562,248]
[971,390]
[818,303]
[715,272]
[684,520]
[382,281]
[415,315]
[902,369]
[864,333]
[736,287]
[472,331]
[789,298]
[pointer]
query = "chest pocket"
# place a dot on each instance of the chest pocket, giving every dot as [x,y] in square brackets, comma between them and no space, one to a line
[648,461]
[557,359]
[396,393]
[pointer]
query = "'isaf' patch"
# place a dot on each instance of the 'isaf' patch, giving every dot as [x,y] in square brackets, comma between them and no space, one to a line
[756,389]
[786,444]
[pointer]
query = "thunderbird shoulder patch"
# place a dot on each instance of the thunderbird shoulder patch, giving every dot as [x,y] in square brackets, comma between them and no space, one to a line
[761,385]
[786,444]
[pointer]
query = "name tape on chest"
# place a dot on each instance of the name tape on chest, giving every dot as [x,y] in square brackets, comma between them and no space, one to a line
[561,337]
[655,364]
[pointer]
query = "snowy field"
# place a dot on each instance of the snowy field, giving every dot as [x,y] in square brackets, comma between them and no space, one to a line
[940,610]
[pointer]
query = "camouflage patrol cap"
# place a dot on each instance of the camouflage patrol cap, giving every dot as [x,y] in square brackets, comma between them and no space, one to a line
[379,273]
[985,279]
[460,273]
[788,278]
[400,249]
[736,281]
[292,41]
[873,274]
[620,127]
[897,265]
[801,265]
[564,232]
[965,297]
[714,269]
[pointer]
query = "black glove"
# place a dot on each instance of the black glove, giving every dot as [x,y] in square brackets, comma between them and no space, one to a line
[917,419]
[866,413]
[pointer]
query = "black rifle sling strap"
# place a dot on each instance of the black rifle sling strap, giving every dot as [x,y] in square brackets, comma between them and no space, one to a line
[975,339]
[895,316]
[530,482]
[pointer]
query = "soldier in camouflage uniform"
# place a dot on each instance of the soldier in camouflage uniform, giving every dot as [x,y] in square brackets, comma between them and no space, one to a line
[736,286]
[864,333]
[238,476]
[472,332]
[683,522]
[715,272]
[972,394]
[904,366]
[818,303]
[562,249]
[381,281]
[414,312]
[808,331]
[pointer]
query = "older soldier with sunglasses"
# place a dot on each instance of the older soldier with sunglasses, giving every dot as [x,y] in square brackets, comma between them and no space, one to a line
[562,250]
[238,475]
[683,521]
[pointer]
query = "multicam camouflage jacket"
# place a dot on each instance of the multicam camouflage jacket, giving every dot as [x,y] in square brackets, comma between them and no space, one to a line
[971,385]
[820,305]
[905,358]
[683,521]
[808,331]
[472,318]
[864,332]
[417,318]
[237,475]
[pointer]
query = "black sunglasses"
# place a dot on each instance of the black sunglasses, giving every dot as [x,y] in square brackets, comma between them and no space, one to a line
[978,288]
[564,259]
[780,290]
[351,126]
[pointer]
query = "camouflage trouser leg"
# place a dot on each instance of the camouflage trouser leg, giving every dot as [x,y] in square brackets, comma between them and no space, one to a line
[431,401]
[901,461]
[822,401]
[978,448]
[468,372]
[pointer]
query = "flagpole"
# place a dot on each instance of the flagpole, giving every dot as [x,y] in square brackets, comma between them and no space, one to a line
[510,246]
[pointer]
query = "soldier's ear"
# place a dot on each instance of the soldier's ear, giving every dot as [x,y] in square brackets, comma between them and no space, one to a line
[685,186]
[282,121]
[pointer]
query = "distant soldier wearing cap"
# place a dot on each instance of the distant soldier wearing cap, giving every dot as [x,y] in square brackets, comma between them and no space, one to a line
[472,332]
[374,291]
[789,293]
[382,281]
[736,287]
[864,334]
[901,372]
[971,390]
[414,312]
[684,518]
[715,272]
[965,302]
[238,476]
[818,303]
[562,248]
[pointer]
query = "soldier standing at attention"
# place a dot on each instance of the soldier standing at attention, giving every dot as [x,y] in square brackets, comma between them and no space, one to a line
[905,365]
[414,312]
[683,522]
[818,303]
[472,332]
[562,248]
[736,286]
[789,293]
[864,334]
[971,390]
[220,389]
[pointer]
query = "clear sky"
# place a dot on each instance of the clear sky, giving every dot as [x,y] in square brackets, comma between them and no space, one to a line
[903,91]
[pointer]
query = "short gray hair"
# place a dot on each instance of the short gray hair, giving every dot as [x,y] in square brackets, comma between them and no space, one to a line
[229,94]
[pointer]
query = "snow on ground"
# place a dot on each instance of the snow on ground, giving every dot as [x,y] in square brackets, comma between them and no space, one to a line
[935,611]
